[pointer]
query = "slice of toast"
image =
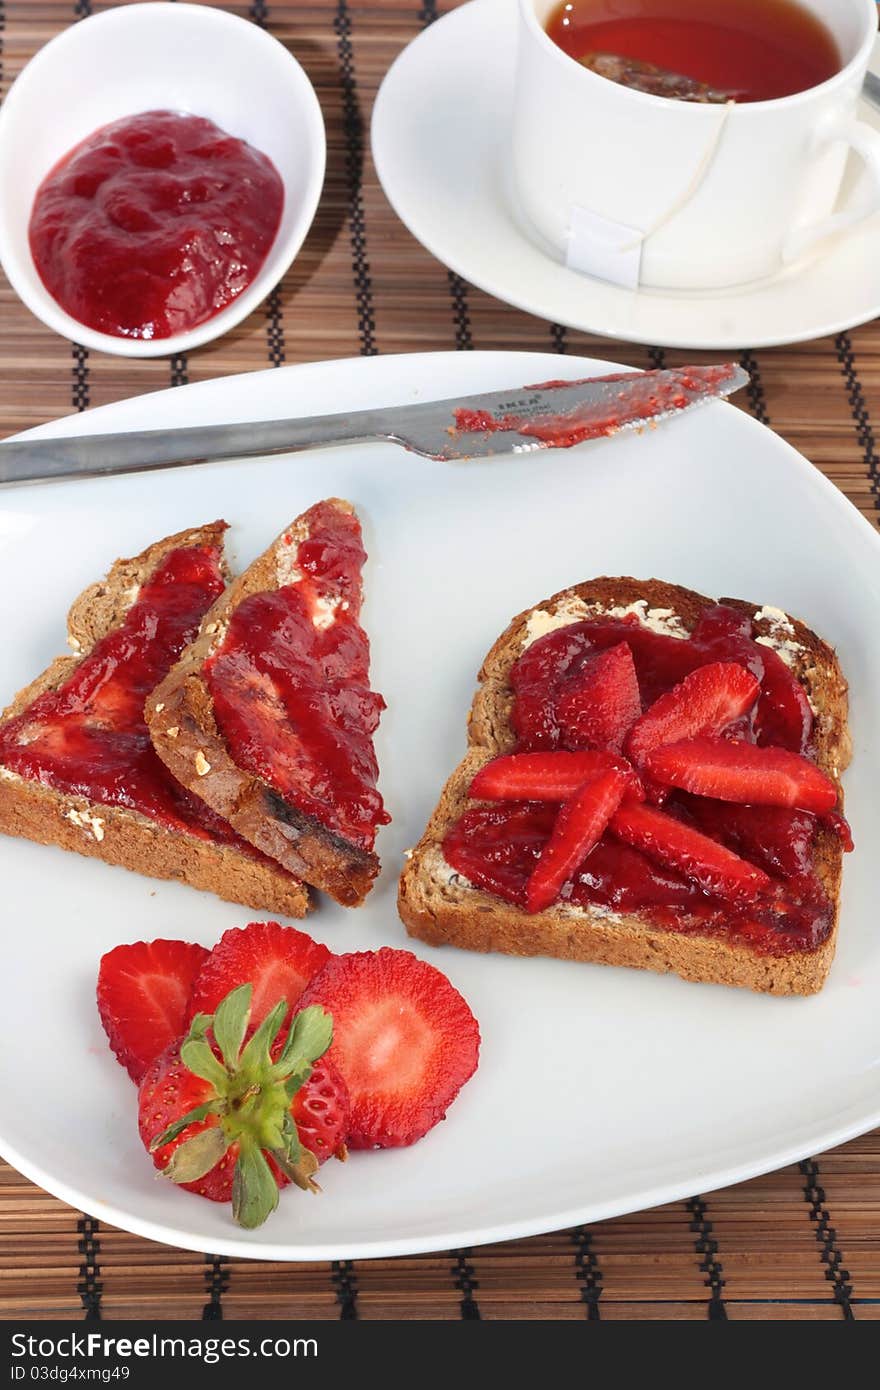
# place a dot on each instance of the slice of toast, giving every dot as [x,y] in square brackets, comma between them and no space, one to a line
[215,862]
[253,761]
[441,907]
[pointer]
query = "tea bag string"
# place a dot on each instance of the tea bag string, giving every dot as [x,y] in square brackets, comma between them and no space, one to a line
[697,180]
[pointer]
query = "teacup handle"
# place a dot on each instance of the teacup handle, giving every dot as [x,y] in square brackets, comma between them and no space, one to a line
[865,140]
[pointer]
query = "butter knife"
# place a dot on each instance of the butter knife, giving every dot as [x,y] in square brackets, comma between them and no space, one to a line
[553,414]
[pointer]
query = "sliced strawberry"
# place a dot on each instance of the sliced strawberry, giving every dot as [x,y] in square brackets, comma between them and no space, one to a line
[579,827]
[705,702]
[403,1038]
[597,706]
[534,676]
[278,961]
[546,776]
[673,843]
[783,716]
[777,839]
[142,997]
[740,772]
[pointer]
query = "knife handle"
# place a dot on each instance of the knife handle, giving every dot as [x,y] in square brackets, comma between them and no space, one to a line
[95,454]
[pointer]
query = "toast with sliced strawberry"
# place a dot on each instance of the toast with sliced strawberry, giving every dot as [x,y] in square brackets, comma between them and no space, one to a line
[652,780]
[268,716]
[77,768]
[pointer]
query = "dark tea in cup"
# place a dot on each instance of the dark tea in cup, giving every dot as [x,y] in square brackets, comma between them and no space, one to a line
[699,50]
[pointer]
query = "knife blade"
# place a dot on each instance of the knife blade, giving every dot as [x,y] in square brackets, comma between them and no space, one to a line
[553,414]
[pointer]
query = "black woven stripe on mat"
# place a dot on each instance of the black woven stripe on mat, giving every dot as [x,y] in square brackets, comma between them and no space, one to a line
[657,357]
[558,337]
[587,1271]
[755,389]
[846,356]
[275,344]
[344,1280]
[353,130]
[79,372]
[179,369]
[465,1280]
[79,377]
[826,1237]
[216,1284]
[89,1286]
[706,1247]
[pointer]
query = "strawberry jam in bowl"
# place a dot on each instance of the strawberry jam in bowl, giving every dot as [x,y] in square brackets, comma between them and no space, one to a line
[154,224]
[160,166]
[673,777]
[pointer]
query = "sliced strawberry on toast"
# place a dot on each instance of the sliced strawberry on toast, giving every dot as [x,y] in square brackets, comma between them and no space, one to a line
[714,868]
[546,776]
[143,992]
[77,767]
[705,702]
[598,705]
[579,827]
[268,716]
[404,1039]
[733,771]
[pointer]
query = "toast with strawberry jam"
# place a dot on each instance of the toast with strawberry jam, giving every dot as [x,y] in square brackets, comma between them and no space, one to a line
[652,780]
[268,716]
[77,768]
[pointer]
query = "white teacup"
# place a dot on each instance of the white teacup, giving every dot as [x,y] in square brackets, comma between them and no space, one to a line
[644,190]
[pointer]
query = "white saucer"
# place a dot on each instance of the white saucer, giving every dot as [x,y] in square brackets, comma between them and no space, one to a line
[438,133]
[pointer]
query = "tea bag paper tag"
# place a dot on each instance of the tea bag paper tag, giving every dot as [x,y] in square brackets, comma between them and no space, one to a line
[609,250]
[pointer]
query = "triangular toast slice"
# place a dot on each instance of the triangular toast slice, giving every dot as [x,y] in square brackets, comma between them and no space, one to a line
[269,717]
[440,905]
[77,768]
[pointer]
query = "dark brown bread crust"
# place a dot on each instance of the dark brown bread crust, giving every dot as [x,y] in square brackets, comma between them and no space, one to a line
[180,716]
[112,833]
[439,907]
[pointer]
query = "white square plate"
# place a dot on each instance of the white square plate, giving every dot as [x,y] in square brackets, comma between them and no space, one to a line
[645,1088]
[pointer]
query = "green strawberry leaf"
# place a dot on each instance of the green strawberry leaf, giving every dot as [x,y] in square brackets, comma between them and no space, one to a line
[254,1189]
[297,1078]
[230,1023]
[198,1055]
[199,1026]
[197,1156]
[200,1112]
[256,1056]
[310,1035]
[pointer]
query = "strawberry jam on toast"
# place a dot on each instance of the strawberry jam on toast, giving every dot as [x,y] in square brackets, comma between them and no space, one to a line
[268,716]
[77,767]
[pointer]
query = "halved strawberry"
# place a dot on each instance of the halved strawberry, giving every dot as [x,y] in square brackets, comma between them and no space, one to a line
[278,961]
[546,776]
[598,705]
[579,827]
[143,989]
[404,1040]
[705,702]
[671,842]
[236,1113]
[740,772]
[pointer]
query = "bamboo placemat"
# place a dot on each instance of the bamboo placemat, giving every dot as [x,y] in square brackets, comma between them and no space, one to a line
[800,1243]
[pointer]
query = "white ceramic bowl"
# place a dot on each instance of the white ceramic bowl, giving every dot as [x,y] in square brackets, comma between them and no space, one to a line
[151,57]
